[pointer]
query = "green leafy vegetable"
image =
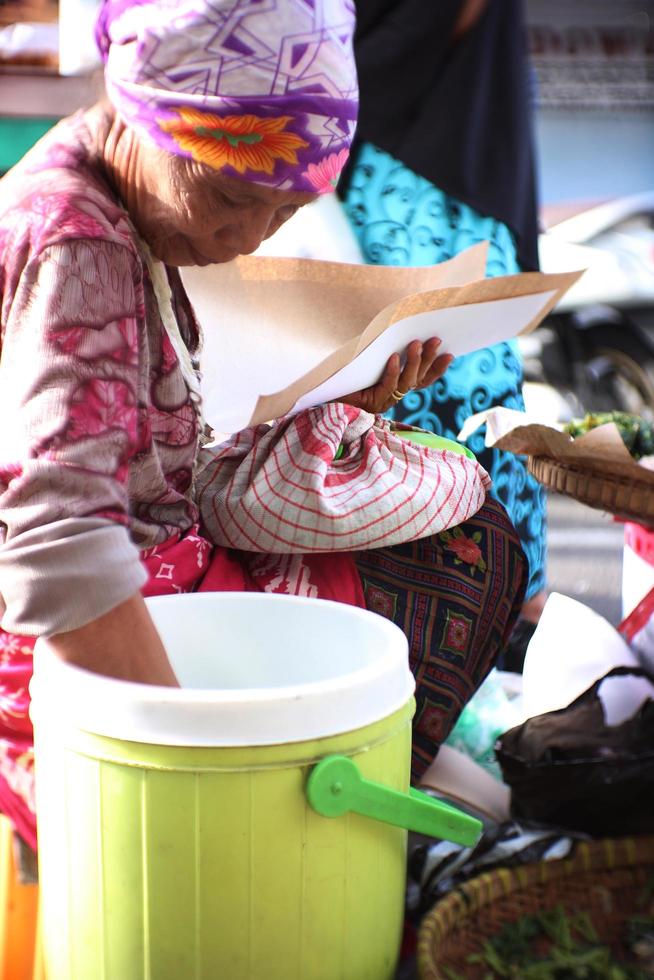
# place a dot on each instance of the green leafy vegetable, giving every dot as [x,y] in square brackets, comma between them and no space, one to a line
[637,433]
[573,950]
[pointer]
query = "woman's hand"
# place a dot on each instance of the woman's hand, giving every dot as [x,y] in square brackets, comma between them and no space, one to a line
[123,643]
[424,365]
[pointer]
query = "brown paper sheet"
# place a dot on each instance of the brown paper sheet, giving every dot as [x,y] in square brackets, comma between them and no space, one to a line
[324,314]
[484,291]
[600,450]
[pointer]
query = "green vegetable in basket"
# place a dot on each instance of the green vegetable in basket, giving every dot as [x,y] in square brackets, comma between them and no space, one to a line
[637,433]
[573,950]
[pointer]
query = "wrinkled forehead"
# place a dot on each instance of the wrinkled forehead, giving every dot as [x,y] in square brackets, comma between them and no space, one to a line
[263,90]
[193,178]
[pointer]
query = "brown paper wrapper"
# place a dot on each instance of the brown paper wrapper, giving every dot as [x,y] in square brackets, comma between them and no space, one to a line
[595,468]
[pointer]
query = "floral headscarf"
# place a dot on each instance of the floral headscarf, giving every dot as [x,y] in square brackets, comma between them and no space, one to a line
[263,89]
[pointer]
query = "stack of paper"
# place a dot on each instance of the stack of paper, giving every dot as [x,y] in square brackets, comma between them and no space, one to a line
[282,335]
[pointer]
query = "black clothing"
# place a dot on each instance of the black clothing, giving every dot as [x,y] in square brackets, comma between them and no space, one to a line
[456,113]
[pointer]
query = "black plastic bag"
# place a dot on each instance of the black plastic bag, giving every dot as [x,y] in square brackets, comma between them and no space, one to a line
[569,768]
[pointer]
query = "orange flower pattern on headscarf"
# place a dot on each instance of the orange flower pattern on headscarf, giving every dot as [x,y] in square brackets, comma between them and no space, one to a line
[262,90]
[245,143]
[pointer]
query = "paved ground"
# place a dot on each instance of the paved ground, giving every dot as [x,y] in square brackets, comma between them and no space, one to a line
[585,555]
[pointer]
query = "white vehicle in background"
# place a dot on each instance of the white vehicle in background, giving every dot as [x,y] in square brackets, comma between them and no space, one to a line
[597,347]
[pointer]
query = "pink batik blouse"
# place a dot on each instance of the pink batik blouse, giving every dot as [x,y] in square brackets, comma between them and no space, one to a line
[99,432]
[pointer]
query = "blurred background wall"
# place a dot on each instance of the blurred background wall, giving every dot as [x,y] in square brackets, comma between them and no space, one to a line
[594,87]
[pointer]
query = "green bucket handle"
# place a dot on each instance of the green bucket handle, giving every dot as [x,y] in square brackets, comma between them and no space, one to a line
[336,787]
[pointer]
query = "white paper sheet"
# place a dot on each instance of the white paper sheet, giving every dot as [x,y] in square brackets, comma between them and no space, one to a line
[260,337]
[284,334]
[461,329]
[239,366]
[572,647]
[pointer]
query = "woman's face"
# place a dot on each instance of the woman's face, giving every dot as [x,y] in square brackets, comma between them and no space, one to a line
[190,214]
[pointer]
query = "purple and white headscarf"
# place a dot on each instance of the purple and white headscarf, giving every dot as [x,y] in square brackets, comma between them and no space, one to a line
[265,90]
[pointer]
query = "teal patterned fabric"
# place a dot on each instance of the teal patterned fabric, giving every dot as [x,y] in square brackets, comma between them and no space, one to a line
[403,219]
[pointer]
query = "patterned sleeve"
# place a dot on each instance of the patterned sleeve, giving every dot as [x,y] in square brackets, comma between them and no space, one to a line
[69,396]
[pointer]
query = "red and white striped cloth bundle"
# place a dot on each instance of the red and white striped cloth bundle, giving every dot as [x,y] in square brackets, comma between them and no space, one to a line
[279,489]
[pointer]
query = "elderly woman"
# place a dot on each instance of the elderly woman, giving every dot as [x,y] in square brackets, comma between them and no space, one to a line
[222,120]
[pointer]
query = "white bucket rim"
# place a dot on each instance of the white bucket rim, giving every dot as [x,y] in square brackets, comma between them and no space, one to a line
[187,716]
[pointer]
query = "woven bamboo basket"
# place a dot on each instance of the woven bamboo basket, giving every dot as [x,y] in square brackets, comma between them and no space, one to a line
[626,498]
[605,878]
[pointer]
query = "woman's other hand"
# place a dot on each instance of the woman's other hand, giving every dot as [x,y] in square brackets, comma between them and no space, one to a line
[123,643]
[423,366]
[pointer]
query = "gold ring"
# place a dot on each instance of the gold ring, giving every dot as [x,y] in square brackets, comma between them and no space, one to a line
[398,395]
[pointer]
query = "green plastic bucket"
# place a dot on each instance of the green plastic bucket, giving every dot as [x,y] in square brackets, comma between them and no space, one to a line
[176,841]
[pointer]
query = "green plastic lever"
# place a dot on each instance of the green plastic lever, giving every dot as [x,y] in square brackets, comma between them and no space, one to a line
[336,787]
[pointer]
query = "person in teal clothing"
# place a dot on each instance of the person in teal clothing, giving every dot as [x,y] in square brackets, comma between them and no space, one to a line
[443,160]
